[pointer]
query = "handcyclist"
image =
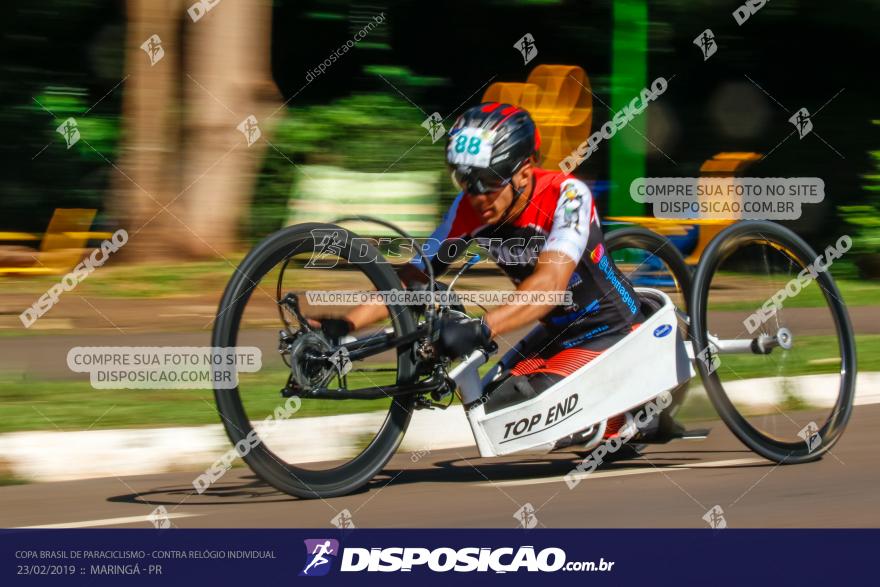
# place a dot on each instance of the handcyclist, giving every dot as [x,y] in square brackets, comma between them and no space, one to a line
[542,229]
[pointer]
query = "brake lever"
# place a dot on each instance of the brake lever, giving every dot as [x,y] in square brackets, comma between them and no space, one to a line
[291,302]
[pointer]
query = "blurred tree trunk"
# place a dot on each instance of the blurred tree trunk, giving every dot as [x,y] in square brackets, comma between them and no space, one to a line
[150,116]
[228,55]
[190,170]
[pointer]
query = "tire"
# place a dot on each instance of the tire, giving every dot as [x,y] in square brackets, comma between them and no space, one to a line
[351,475]
[641,238]
[636,237]
[796,249]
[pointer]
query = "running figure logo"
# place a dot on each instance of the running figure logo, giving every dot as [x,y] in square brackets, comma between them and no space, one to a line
[250,129]
[154,50]
[526,516]
[801,121]
[320,553]
[706,42]
[343,520]
[526,46]
[810,435]
[715,518]
[69,131]
[329,248]
[434,126]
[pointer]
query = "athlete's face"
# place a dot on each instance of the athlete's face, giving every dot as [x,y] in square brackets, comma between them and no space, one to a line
[491,207]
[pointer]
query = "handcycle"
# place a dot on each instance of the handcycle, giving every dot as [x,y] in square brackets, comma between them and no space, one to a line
[796,379]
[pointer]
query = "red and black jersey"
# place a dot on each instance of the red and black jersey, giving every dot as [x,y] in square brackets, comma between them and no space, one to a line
[559,216]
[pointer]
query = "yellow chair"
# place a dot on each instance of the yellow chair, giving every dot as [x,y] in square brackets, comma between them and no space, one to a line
[725,164]
[561,103]
[61,247]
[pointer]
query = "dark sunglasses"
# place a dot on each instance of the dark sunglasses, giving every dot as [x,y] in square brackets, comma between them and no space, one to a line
[476,183]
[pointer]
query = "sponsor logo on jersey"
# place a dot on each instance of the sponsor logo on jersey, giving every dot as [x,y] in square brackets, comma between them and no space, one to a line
[574,314]
[586,336]
[618,285]
[597,253]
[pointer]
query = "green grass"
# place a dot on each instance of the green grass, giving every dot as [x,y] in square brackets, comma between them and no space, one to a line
[798,360]
[696,407]
[149,280]
[853,293]
[11,480]
[75,405]
[807,348]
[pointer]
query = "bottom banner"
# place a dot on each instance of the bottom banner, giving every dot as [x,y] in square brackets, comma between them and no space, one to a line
[224,557]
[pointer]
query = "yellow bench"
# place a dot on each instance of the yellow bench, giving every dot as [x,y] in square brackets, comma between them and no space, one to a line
[61,247]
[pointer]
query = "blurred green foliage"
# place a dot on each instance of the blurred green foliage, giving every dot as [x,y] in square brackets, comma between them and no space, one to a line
[378,133]
[866,217]
[69,56]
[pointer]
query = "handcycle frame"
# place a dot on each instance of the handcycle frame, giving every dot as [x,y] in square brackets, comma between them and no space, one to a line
[605,387]
[425,380]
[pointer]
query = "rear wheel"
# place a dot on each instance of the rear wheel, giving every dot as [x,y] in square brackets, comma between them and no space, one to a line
[791,403]
[648,259]
[651,260]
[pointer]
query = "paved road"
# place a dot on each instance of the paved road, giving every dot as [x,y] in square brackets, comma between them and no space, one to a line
[673,486]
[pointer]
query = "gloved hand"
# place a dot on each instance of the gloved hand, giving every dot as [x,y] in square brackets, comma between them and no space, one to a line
[335,328]
[461,336]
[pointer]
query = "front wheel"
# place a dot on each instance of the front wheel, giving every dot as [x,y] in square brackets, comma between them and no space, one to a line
[326,447]
[773,341]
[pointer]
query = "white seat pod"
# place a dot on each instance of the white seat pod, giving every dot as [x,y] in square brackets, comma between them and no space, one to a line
[650,360]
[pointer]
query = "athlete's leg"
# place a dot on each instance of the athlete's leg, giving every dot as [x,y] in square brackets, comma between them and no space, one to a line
[537,373]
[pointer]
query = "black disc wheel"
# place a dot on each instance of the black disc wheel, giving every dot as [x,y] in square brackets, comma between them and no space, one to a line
[773,340]
[308,447]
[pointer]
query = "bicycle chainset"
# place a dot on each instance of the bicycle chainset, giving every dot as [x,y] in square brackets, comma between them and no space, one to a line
[311,360]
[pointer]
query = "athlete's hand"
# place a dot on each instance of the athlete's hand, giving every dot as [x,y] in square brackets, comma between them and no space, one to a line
[333,328]
[461,336]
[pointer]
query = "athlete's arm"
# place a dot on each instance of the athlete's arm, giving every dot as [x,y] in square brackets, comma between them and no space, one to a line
[552,273]
[565,246]
[437,253]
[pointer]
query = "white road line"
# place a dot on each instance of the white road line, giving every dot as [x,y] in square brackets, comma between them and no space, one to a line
[107,521]
[730,463]
[623,473]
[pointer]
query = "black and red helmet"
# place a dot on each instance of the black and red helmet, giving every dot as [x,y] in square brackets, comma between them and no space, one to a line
[488,144]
